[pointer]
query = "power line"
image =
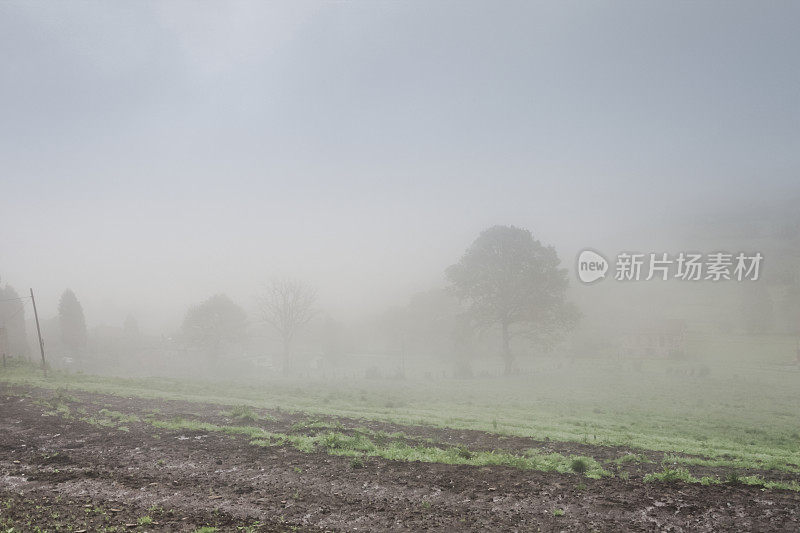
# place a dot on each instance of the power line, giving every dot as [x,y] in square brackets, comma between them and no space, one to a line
[14,299]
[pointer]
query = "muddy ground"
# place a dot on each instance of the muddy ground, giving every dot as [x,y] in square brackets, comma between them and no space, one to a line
[59,473]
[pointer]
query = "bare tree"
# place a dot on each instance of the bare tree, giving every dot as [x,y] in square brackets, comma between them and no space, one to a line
[287,305]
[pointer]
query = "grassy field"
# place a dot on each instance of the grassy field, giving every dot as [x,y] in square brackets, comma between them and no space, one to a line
[726,413]
[585,444]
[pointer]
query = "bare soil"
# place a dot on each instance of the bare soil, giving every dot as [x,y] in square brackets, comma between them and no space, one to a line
[68,475]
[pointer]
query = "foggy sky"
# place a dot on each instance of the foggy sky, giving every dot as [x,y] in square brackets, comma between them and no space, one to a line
[155,153]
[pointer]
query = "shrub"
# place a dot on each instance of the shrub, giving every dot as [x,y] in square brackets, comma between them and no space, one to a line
[578,465]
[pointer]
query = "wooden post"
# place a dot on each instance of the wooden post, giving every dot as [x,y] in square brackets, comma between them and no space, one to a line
[39,333]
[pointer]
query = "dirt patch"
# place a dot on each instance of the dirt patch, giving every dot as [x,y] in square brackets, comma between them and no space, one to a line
[186,479]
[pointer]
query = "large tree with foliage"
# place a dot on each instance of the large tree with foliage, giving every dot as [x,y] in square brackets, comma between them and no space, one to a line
[72,322]
[511,281]
[214,323]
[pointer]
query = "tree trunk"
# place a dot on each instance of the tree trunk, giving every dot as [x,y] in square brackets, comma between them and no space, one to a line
[508,357]
[286,356]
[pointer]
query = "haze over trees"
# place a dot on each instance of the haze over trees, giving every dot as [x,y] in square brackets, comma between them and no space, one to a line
[213,324]
[288,306]
[12,318]
[509,280]
[72,323]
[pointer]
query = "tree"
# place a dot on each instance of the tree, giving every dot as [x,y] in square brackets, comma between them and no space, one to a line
[72,322]
[287,306]
[12,319]
[511,281]
[213,323]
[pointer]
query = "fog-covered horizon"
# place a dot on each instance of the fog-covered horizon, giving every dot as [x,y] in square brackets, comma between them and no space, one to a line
[154,154]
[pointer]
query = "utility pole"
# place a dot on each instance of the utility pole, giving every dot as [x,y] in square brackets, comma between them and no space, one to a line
[39,332]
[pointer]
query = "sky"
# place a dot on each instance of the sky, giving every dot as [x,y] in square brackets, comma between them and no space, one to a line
[155,153]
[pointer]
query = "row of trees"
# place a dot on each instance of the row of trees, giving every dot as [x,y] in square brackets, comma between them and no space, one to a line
[286,306]
[13,332]
[506,281]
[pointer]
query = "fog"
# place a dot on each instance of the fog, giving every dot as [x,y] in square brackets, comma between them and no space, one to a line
[157,154]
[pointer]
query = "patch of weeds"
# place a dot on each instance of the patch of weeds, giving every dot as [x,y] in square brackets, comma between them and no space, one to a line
[356,462]
[671,475]
[558,512]
[463,452]
[342,444]
[59,409]
[206,529]
[99,422]
[242,412]
[180,423]
[579,465]
[733,478]
[308,423]
[631,458]
[144,521]
[61,395]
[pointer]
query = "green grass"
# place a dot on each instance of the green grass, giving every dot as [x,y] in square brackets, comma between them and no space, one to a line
[671,475]
[245,413]
[766,464]
[119,417]
[635,458]
[360,445]
[742,414]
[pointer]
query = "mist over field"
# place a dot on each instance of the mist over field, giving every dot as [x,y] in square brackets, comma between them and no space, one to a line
[422,219]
